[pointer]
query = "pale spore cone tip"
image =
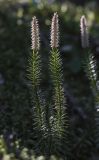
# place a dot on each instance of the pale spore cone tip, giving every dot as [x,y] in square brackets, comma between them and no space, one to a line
[84,32]
[35,34]
[55,31]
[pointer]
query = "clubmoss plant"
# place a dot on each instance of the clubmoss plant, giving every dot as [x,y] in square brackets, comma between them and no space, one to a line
[90,68]
[60,125]
[57,77]
[35,76]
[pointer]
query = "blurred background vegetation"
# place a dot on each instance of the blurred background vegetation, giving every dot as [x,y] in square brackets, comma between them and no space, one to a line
[15,46]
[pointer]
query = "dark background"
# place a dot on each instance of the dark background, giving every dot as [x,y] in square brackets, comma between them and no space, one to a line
[15,48]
